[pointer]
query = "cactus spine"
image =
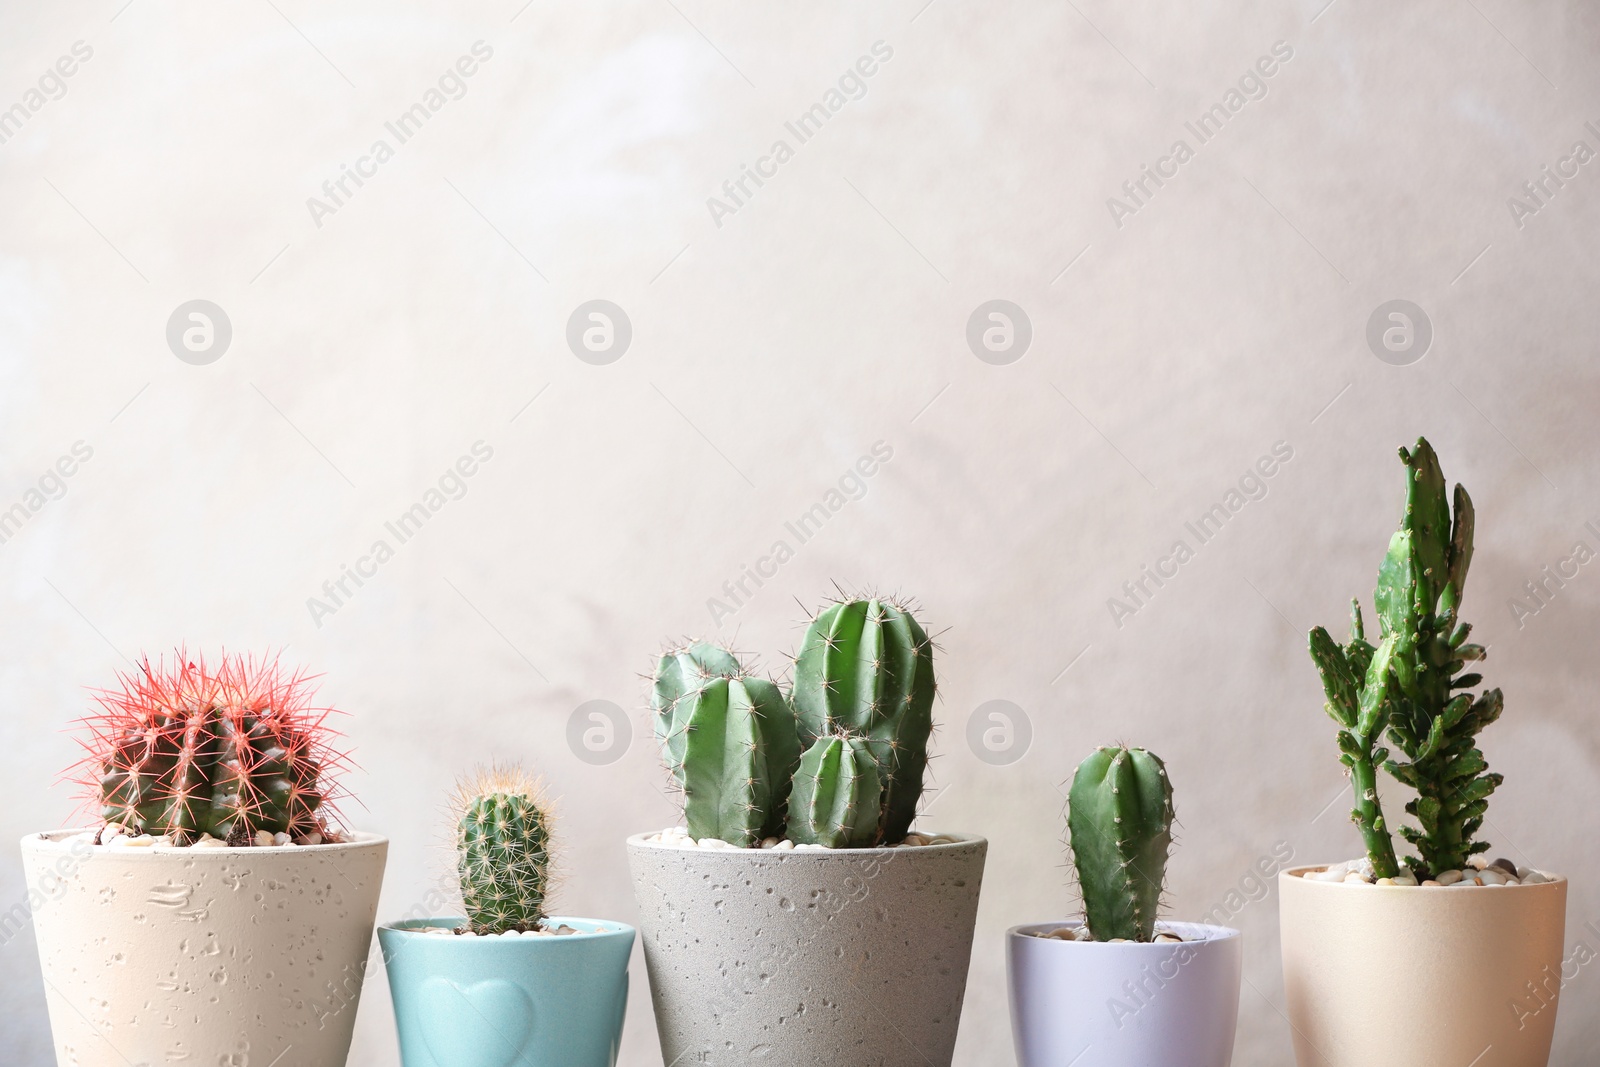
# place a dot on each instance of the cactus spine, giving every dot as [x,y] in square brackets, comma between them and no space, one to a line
[865,668]
[1119,818]
[502,851]
[836,795]
[225,749]
[729,740]
[1410,686]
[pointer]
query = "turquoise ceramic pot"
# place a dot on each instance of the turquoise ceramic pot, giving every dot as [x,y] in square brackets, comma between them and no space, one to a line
[508,1001]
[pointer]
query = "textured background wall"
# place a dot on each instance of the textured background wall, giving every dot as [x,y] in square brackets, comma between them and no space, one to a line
[1175,341]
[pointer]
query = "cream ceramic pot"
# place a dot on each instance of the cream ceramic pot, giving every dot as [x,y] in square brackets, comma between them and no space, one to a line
[1421,975]
[226,956]
[854,957]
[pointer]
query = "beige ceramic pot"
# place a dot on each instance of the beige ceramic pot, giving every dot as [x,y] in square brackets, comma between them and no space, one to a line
[1420,975]
[223,957]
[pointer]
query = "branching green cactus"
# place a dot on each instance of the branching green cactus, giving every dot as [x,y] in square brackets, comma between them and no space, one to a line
[1410,685]
[865,668]
[729,740]
[503,851]
[1119,818]
[836,795]
[1356,679]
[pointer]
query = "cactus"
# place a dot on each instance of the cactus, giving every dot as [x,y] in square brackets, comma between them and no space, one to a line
[502,851]
[836,794]
[729,740]
[227,749]
[684,670]
[1434,723]
[1411,688]
[1356,680]
[1119,818]
[865,668]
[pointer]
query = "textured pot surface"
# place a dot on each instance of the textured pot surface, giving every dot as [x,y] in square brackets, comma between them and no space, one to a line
[1093,1004]
[797,958]
[499,1001]
[1425,976]
[223,956]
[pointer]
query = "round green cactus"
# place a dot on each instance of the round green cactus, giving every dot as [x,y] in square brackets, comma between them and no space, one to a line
[503,851]
[837,791]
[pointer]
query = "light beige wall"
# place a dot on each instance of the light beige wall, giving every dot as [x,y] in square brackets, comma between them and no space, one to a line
[1228,313]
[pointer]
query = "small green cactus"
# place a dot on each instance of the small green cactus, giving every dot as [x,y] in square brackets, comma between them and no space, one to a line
[1410,685]
[684,670]
[502,851]
[1119,818]
[836,795]
[729,740]
[865,668]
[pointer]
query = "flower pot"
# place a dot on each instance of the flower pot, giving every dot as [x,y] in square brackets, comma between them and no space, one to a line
[202,956]
[805,957]
[1096,1004]
[1427,976]
[533,1001]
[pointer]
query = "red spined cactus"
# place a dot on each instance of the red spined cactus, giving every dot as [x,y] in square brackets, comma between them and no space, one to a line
[228,749]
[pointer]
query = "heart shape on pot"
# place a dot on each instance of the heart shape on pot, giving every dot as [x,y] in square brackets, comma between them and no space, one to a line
[482,1024]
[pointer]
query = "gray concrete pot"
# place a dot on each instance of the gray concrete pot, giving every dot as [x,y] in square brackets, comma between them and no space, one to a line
[799,958]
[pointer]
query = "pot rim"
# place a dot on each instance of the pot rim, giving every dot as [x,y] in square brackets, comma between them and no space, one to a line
[963,841]
[1216,935]
[602,929]
[58,840]
[1296,873]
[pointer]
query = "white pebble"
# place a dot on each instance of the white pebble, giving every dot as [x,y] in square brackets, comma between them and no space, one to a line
[1118,941]
[467,933]
[716,842]
[1448,877]
[263,839]
[312,838]
[1531,877]
[770,842]
[1168,939]
[1478,862]
[280,838]
[1492,876]
[209,842]
[1405,878]
[1386,881]
[783,846]
[680,831]
[437,930]
[818,848]
[1429,882]
[510,933]
[1353,878]
[142,841]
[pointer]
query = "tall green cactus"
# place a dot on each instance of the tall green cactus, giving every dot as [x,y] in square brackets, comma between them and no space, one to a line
[1434,724]
[865,668]
[1410,685]
[1119,819]
[503,851]
[729,740]
[836,795]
